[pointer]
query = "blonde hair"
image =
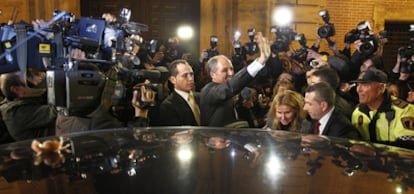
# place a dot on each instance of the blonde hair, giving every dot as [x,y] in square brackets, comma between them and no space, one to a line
[286,83]
[292,99]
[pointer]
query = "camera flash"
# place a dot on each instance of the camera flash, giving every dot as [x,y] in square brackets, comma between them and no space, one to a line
[237,35]
[411,27]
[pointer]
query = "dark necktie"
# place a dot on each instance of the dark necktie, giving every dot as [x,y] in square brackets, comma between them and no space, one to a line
[372,128]
[316,127]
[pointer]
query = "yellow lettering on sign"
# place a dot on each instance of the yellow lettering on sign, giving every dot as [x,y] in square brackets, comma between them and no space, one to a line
[44,48]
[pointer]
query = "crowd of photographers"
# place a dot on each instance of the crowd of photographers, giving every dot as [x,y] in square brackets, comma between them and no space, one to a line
[135,77]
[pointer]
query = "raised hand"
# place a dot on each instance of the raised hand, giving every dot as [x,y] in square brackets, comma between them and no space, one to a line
[264,47]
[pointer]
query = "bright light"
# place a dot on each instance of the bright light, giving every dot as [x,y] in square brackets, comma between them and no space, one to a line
[184,154]
[185,32]
[282,16]
[237,35]
[400,188]
[132,172]
[233,153]
[274,166]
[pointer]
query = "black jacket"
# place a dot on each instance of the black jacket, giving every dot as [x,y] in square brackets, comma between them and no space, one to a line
[338,125]
[175,111]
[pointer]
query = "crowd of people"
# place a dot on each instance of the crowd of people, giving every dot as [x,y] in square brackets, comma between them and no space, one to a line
[347,95]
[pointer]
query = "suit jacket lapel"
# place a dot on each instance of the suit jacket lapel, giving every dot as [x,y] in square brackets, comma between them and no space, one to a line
[179,100]
[330,122]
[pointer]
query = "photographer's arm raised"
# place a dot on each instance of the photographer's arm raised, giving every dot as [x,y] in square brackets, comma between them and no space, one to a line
[396,68]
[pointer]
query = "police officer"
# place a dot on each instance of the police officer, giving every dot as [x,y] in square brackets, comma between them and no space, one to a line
[381,117]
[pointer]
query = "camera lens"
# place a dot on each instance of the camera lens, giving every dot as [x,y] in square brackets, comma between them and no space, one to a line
[323,32]
[326,31]
[367,48]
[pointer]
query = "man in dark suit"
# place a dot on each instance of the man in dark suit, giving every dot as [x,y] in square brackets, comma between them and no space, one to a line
[331,76]
[327,120]
[181,106]
[217,102]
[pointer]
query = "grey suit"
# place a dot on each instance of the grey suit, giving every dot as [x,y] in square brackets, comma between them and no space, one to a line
[216,105]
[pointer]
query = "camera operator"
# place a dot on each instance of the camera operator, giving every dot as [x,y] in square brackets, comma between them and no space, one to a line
[238,58]
[24,110]
[201,70]
[111,35]
[96,119]
[316,45]
[366,44]
[139,98]
[174,50]
[158,54]
[402,71]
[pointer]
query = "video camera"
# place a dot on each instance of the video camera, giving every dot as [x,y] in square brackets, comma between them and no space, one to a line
[75,92]
[123,37]
[65,24]
[284,36]
[78,87]
[86,86]
[85,33]
[21,45]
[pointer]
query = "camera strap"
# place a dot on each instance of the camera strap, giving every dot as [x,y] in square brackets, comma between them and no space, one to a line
[21,35]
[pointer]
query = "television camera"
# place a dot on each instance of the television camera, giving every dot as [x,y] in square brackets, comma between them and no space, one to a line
[20,43]
[78,86]
[123,37]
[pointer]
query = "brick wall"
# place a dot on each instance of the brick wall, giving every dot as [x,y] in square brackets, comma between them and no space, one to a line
[346,14]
